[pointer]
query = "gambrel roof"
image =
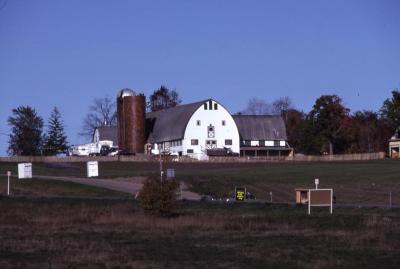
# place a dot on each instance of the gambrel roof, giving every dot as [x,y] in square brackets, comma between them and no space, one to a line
[260,127]
[170,124]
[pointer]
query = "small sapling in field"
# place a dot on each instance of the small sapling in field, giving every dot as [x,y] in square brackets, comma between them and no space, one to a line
[159,197]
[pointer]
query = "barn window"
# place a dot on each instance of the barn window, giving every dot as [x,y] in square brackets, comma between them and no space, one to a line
[194,142]
[205,106]
[261,143]
[228,142]
[198,123]
[276,143]
[223,123]
[190,151]
[210,104]
[215,106]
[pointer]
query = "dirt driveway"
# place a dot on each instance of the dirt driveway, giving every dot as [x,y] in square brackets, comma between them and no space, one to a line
[130,185]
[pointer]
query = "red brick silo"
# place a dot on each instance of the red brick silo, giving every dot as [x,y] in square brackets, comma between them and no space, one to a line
[131,121]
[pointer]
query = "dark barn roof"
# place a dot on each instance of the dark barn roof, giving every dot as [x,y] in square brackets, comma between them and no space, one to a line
[260,127]
[109,133]
[169,124]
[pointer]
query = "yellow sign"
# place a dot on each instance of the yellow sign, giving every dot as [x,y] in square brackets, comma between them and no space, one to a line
[240,194]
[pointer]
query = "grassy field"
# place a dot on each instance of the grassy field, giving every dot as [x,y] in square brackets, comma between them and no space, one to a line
[87,233]
[368,182]
[43,187]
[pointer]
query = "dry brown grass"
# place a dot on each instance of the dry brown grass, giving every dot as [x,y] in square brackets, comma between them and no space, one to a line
[65,233]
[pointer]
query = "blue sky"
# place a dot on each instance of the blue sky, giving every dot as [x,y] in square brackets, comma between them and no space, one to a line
[66,53]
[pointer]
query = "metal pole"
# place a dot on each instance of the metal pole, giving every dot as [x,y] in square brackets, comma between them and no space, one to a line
[390,199]
[270,194]
[309,203]
[8,184]
[161,171]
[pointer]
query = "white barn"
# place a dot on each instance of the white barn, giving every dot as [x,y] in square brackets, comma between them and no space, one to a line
[192,129]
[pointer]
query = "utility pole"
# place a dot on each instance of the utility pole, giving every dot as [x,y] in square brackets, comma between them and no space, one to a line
[8,182]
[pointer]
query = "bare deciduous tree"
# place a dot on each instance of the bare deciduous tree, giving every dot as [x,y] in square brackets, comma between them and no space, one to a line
[101,113]
[256,106]
[282,105]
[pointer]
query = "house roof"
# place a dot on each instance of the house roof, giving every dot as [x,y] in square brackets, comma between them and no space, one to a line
[260,127]
[108,133]
[170,124]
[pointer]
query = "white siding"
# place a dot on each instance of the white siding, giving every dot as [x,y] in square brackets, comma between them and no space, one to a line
[255,143]
[222,132]
[269,143]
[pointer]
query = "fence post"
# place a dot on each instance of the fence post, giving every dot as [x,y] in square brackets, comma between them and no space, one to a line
[8,182]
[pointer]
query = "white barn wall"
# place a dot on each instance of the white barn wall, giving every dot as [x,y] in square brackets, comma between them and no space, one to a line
[215,118]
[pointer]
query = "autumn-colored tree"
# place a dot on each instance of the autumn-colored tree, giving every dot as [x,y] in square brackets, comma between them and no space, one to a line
[295,125]
[328,118]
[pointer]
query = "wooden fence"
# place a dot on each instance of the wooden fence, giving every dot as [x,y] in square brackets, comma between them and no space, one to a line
[146,158]
[305,158]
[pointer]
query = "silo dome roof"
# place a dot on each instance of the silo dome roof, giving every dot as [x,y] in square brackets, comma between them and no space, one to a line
[125,92]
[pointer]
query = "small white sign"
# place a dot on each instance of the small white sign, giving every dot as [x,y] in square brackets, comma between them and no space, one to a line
[25,170]
[93,169]
[316,183]
[9,173]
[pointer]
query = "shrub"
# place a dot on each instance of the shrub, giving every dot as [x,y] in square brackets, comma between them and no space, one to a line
[159,197]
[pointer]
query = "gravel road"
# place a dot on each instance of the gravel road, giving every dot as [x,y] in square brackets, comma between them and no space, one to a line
[127,185]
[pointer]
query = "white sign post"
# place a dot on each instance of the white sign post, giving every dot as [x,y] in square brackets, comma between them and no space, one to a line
[92,169]
[316,183]
[8,182]
[24,170]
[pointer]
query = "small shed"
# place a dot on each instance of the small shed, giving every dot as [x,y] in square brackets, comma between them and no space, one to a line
[394,145]
[301,196]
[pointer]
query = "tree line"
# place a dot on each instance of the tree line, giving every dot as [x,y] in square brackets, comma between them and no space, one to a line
[329,128]
[27,137]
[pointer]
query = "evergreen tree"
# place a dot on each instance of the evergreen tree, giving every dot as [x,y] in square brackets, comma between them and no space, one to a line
[55,140]
[26,132]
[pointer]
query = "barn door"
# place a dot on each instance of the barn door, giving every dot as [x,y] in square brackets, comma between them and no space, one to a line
[211,144]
